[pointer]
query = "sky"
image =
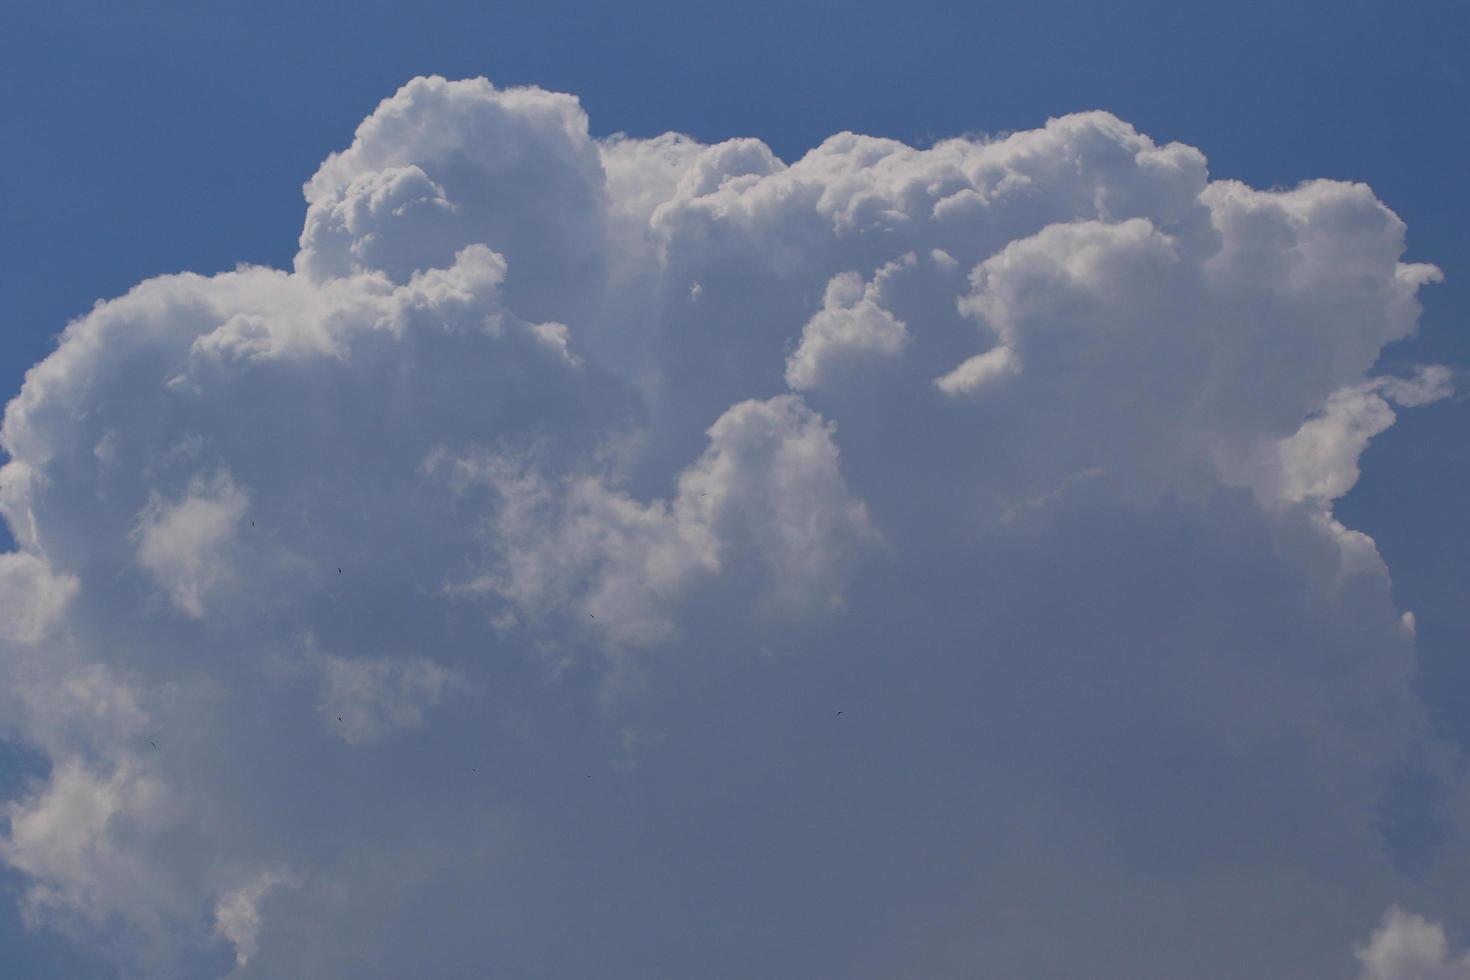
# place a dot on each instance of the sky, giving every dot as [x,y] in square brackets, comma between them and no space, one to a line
[986,499]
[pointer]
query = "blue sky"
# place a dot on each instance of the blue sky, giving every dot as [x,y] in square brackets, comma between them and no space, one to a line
[155,138]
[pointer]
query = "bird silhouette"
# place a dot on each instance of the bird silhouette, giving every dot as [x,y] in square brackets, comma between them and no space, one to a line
[153,743]
[339,717]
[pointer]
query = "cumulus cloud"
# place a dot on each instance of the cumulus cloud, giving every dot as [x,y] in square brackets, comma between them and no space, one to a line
[237,915]
[768,489]
[978,371]
[73,838]
[1319,462]
[185,544]
[33,596]
[1409,947]
[949,534]
[852,320]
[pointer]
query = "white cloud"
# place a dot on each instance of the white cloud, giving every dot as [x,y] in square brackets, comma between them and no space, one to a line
[767,495]
[73,839]
[1020,453]
[389,220]
[978,371]
[771,485]
[185,545]
[1409,947]
[852,321]
[237,914]
[582,546]
[32,598]
[1319,461]
[458,163]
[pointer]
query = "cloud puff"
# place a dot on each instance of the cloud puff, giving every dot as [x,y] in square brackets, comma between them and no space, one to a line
[1320,460]
[237,914]
[1409,947]
[852,320]
[73,837]
[185,544]
[34,597]
[767,494]
[949,532]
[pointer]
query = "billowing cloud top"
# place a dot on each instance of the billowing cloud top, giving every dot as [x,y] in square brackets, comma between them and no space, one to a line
[639,558]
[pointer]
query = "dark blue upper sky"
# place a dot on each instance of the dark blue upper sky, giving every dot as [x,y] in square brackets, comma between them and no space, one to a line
[155,137]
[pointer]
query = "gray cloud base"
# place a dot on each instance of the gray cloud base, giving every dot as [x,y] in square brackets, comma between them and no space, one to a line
[482,595]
